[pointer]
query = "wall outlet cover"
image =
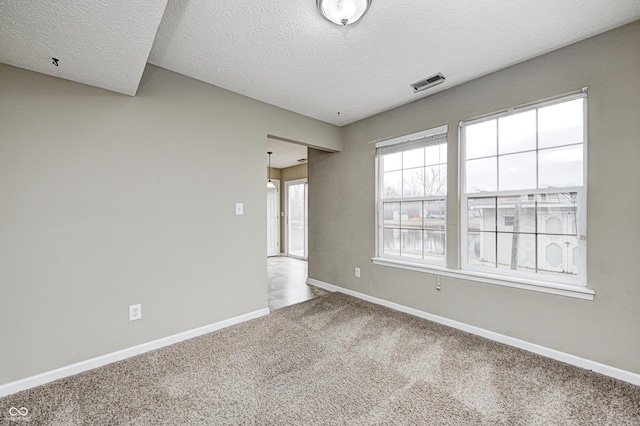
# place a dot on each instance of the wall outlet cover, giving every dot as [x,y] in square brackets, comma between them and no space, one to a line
[135,312]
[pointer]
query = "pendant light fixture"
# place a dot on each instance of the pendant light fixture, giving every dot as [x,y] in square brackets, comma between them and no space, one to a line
[343,12]
[270,185]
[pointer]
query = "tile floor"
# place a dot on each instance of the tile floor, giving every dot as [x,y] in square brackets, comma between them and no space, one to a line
[286,279]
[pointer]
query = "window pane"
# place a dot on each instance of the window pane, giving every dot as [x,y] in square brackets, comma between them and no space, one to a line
[411,224]
[391,215]
[391,241]
[557,213]
[517,251]
[436,180]
[413,158]
[434,224]
[413,182]
[561,124]
[481,214]
[411,243]
[517,171]
[481,139]
[560,167]
[432,155]
[482,175]
[434,215]
[517,132]
[481,248]
[392,185]
[434,244]
[557,255]
[391,236]
[516,214]
[411,215]
[392,162]
[443,153]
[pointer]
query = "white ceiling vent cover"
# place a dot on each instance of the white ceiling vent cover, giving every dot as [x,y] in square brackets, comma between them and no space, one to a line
[428,82]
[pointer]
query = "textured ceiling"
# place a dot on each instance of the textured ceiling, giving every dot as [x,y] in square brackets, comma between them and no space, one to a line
[103,43]
[285,54]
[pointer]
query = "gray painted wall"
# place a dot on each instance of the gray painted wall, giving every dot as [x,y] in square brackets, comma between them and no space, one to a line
[606,330]
[108,200]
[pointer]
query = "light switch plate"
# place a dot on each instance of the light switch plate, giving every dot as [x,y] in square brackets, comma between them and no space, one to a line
[239,209]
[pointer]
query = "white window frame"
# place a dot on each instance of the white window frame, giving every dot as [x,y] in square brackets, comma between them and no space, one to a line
[581,219]
[571,288]
[379,174]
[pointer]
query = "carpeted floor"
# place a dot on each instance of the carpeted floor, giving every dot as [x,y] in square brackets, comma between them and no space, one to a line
[332,360]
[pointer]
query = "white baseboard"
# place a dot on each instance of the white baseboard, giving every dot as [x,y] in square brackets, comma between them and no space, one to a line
[587,364]
[70,370]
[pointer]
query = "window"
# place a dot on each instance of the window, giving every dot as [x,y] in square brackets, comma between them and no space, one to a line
[412,190]
[523,192]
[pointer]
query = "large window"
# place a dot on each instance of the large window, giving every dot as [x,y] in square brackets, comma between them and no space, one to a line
[412,190]
[523,192]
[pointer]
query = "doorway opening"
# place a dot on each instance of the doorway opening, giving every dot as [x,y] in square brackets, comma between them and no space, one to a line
[287,223]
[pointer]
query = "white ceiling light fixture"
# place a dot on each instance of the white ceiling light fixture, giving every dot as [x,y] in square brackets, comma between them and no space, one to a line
[343,12]
[270,185]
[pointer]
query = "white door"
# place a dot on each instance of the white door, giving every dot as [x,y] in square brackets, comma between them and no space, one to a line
[273,220]
[297,218]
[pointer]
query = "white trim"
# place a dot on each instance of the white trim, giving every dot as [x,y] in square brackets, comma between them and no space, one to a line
[575,291]
[70,370]
[413,136]
[587,364]
[331,287]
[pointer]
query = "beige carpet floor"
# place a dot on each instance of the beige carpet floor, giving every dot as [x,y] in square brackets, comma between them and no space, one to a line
[332,360]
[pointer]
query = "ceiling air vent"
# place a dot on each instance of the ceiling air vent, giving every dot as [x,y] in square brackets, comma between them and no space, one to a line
[428,82]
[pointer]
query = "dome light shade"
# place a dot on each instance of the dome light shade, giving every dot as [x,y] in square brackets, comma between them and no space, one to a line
[343,12]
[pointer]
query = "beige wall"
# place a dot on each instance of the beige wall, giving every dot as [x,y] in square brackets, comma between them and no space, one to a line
[606,330]
[108,200]
[295,172]
[276,174]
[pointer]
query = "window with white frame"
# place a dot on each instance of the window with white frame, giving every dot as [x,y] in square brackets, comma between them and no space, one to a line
[523,195]
[412,191]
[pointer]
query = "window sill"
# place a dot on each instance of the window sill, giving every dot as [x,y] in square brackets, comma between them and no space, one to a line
[568,290]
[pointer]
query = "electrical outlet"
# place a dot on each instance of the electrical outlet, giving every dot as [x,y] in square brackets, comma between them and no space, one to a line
[135,312]
[357,272]
[438,283]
